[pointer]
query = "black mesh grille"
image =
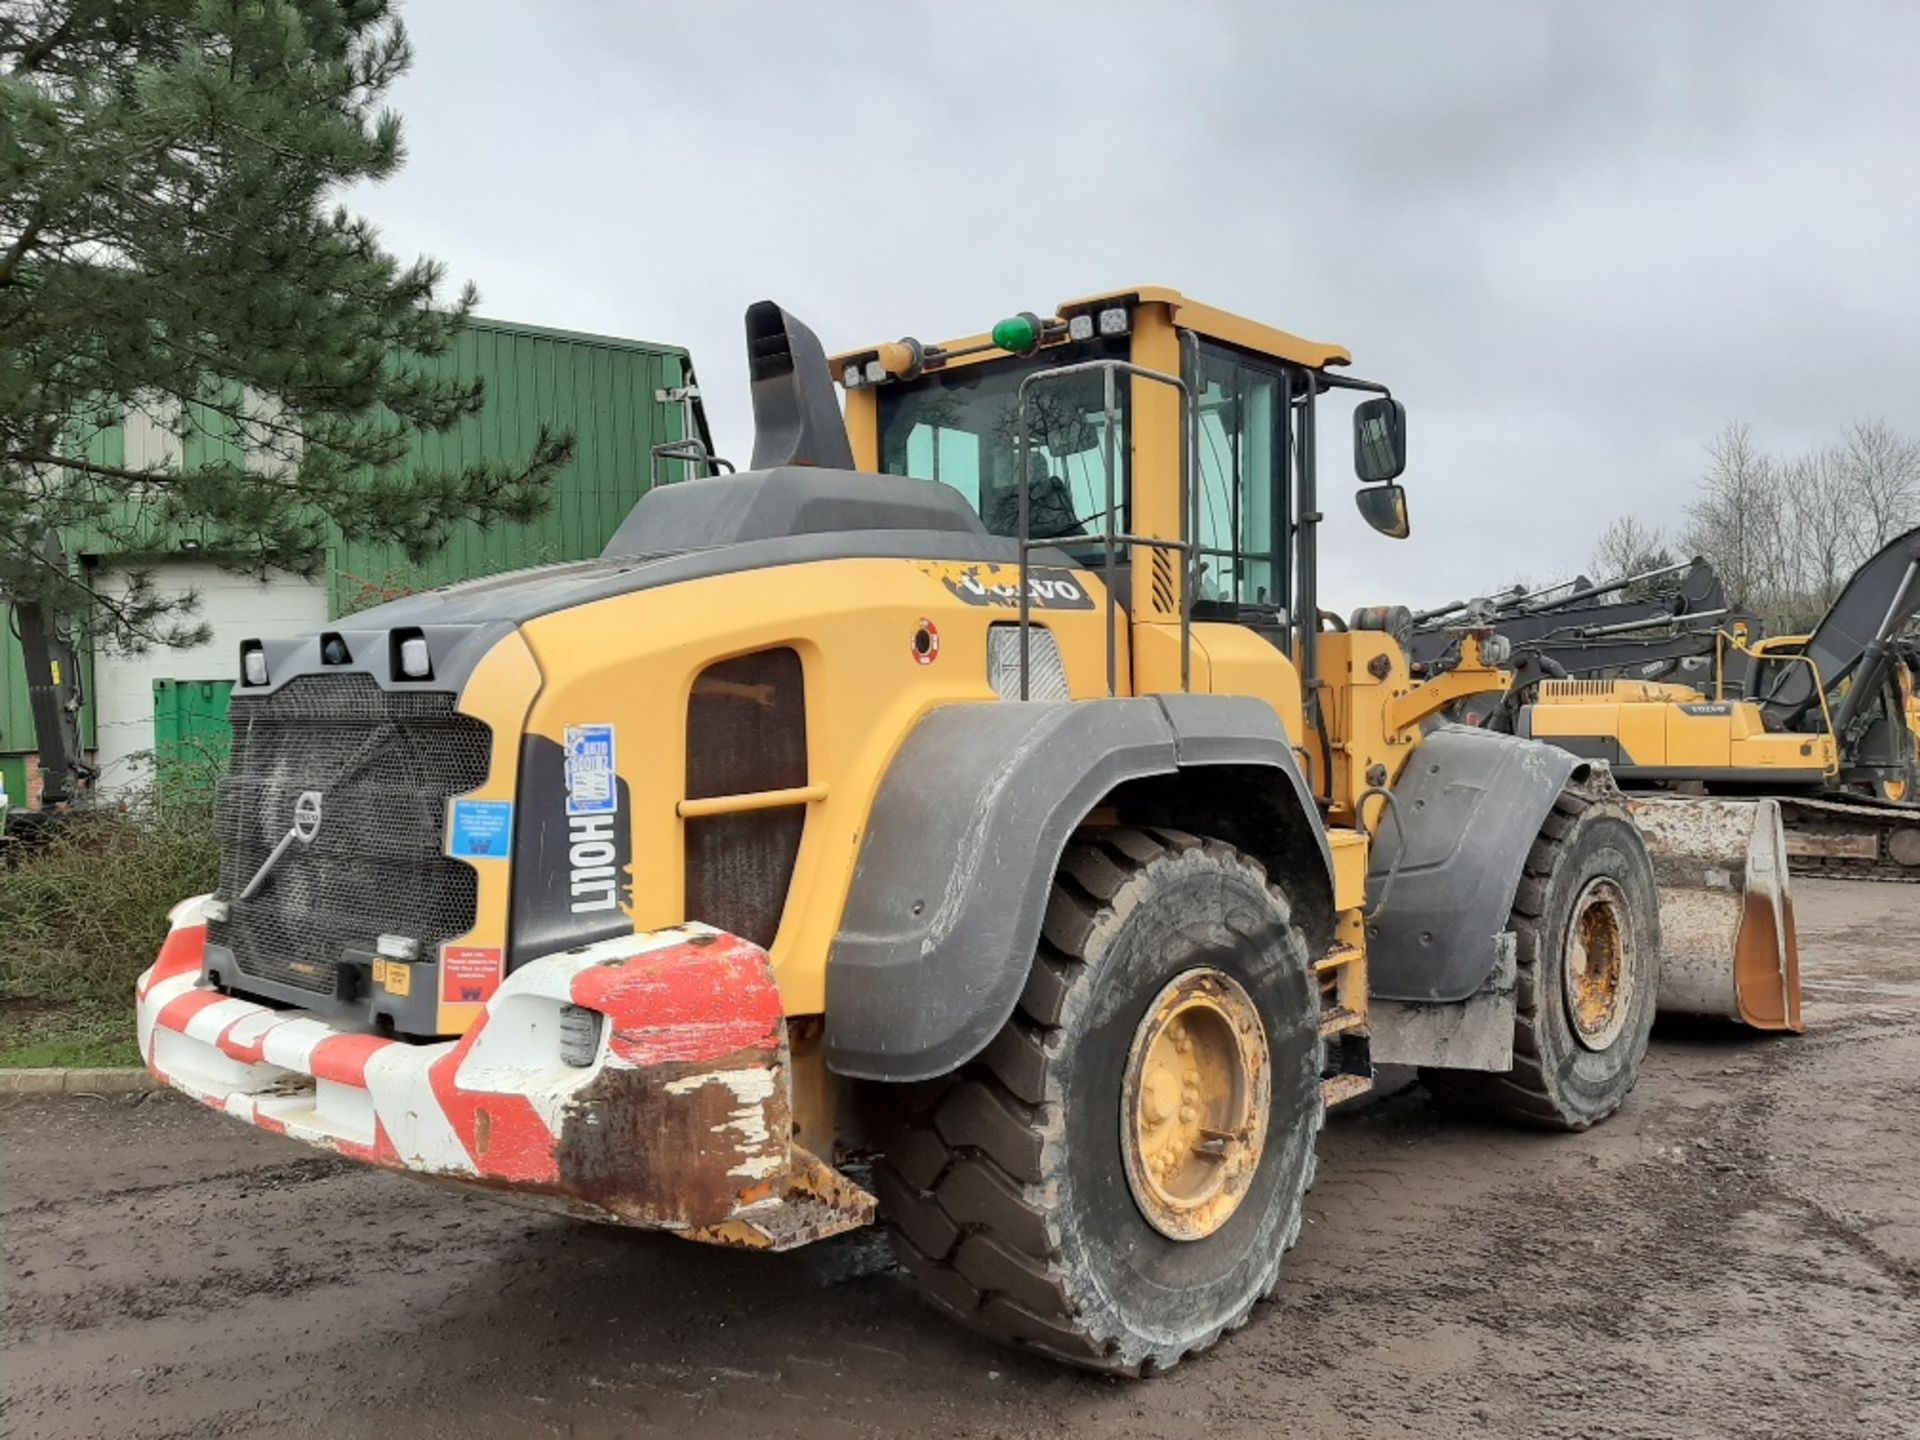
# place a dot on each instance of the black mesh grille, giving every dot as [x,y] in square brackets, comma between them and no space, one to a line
[746,734]
[385,765]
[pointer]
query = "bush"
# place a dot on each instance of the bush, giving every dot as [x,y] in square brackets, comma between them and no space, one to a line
[84,912]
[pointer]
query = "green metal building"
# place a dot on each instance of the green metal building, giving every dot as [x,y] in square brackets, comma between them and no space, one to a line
[620,398]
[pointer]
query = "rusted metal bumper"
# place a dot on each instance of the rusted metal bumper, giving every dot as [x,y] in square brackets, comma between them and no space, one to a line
[681,1120]
[1728,944]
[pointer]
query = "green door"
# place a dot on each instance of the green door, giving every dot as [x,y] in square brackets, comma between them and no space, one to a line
[191,736]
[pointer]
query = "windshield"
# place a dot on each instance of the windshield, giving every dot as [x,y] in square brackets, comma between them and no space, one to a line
[960,428]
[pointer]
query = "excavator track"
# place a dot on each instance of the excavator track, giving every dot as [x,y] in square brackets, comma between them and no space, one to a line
[1852,839]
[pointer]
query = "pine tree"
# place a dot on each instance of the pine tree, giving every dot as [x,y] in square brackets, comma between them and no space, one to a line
[171,242]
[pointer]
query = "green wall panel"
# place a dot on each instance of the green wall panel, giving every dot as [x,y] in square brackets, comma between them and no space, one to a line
[599,387]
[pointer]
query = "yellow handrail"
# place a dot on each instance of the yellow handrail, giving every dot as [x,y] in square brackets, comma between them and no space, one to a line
[1830,770]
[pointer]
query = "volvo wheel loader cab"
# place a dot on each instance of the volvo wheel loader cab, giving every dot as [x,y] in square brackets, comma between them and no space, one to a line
[964,807]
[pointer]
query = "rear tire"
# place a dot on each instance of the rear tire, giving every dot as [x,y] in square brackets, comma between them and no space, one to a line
[1587,919]
[1018,1201]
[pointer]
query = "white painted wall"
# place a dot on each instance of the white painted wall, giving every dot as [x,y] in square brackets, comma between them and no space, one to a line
[237,607]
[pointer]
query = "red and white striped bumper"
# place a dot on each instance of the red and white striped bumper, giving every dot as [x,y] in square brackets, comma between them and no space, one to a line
[681,1122]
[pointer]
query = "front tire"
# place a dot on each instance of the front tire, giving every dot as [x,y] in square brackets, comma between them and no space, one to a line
[1114,1181]
[1587,919]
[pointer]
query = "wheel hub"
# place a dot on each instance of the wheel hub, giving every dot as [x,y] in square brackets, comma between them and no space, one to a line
[1193,1115]
[1600,968]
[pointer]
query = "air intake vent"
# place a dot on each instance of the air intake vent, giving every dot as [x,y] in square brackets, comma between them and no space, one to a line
[1577,689]
[746,739]
[1046,674]
[1163,583]
[1624,692]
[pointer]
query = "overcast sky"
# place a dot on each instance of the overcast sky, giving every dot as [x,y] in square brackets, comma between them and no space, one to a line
[1576,240]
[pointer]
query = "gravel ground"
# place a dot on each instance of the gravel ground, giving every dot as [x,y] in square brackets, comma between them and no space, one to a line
[1736,1253]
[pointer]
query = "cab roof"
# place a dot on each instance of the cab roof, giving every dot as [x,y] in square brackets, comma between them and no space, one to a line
[1206,320]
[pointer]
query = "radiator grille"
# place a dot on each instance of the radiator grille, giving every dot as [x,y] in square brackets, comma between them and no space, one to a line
[1625,692]
[384,764]
[746,734]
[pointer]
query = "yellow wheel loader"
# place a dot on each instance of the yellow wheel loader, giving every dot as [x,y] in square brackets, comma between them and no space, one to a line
[962,815]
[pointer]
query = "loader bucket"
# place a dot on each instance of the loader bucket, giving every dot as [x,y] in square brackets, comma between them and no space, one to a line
[1728,946]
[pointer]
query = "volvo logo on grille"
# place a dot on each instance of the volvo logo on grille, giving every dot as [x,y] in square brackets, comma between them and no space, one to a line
[306,816]
[306,825]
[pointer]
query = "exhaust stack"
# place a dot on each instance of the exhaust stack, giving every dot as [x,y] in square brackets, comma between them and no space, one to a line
[796,420]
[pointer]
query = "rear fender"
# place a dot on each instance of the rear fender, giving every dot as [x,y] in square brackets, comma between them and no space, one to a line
[944,911]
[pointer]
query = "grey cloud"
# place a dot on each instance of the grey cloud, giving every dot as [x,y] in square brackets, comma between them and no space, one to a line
[1576,239]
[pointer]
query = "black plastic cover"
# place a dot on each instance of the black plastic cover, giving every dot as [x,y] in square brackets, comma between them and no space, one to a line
[1470,803]
[945,908]
[770,504]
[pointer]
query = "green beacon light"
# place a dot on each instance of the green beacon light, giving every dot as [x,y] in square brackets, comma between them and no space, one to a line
[1019,333]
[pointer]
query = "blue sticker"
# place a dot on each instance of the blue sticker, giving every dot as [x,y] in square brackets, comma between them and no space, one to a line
[590,774]
[482,829]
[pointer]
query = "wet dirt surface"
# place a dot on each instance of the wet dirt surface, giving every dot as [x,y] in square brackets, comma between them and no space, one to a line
[1736,1253]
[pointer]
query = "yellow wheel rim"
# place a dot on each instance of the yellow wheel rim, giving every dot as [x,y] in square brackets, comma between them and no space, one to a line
[1193,1118]
[1600,964]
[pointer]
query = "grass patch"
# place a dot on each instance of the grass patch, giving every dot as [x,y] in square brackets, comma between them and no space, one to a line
[69,1036]
[83,913]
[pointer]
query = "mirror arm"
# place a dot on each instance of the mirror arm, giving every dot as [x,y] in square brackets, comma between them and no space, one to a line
[1351,382]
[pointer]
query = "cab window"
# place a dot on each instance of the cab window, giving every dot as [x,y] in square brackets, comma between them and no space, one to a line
[960,427]
[1241,479]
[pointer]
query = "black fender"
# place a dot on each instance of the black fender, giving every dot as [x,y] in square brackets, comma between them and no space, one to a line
[1441,883]
[943,914]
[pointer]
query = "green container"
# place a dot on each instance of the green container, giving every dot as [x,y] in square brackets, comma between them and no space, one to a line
[191,736]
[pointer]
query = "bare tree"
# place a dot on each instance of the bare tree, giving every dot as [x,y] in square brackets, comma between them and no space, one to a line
[1823,523]
[1786,535]
[1880,470]
[1628,547]
[1735,519]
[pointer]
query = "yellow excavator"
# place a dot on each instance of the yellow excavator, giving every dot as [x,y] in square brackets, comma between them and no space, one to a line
[964,814]
[1825,723]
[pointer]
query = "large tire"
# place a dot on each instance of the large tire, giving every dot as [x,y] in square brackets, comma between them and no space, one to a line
[1574,1060]
[1008,1188]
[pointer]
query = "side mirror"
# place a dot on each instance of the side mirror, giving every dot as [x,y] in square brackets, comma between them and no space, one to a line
[1384,507]
[1379,438]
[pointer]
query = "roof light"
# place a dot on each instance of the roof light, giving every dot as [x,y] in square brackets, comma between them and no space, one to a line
[850,377]
[415,662]
[253,663]
[1019,334]
[1113,320]
[876,372]
[903,358]
[1080,327]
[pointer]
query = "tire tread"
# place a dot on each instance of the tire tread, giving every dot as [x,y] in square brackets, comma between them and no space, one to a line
[962,1192]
